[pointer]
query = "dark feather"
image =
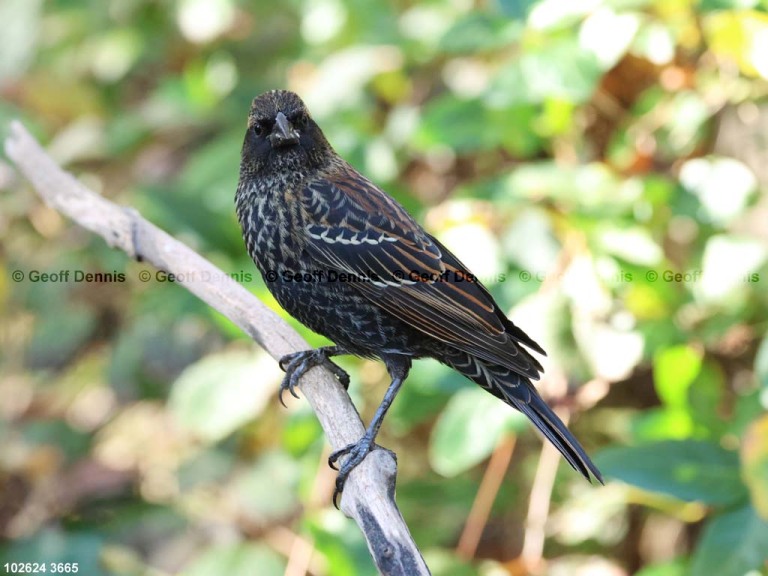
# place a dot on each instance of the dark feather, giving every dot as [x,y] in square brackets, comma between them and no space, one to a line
[355,227]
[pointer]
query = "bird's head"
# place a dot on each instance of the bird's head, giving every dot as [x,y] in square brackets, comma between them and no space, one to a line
[281,133]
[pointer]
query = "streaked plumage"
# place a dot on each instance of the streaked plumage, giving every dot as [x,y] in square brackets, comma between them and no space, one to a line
[305,210]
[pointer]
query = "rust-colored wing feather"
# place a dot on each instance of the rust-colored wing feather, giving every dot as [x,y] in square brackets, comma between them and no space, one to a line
[352,226]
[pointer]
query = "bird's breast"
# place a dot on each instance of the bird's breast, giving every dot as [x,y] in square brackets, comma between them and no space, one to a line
[270,218]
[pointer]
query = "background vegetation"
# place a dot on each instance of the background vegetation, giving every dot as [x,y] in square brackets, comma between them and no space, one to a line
[601,165]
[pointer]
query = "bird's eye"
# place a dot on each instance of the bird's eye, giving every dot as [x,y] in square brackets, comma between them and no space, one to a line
[259,128]
[300,121]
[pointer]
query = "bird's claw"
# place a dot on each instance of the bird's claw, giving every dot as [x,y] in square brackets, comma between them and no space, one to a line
[295,365]
[339,372]
[356,454]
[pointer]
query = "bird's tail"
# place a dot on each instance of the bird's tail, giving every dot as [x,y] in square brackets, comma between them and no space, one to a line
[518,392]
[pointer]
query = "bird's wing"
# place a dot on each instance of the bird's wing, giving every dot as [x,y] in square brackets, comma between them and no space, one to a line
[354,227]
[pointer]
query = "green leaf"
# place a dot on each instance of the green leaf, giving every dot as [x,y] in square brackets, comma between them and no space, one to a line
[754,459]
[715,5]
[733,544]
[453,122]
[19,40]
[417,404]
[54,545]
[761,364]
[301,431]
[748,408]
[674,568]
[443,562]
[239,559]
[662,424]
[480,31]
[467,125]
[340,544]
[705,398]
[688,470]
[468,430]
[518,9]
[267,490]
[631,243]
[221,392]
[58,335]
[674,369]
[561,70]
[73,443]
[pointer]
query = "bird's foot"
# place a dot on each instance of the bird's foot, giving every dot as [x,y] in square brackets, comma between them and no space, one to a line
[356,454]
[297,364]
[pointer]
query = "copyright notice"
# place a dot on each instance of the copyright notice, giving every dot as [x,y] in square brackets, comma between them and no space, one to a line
[34,276]
[667,276]
[65,276]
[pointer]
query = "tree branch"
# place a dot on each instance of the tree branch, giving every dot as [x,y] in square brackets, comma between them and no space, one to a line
[368,496]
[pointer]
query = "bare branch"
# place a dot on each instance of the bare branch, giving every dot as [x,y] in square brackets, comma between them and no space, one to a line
[368,496]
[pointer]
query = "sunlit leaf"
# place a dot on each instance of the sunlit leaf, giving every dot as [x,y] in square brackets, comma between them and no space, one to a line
[754,459]
[267,490]
[741,35]
[729,266]
[685,117]
[655,42]
[582,188]
[709,178]
[480,31]
[21,30]
[301,431]
[662,424]
[633,244]
[554,13]
[468,430]
[221,392]
[674,568]
[561,70]
[674,369]
[608,34]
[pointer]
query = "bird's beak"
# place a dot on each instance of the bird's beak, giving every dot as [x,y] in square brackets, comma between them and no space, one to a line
[283,134]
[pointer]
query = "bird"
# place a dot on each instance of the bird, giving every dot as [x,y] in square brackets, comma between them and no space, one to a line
[349,262]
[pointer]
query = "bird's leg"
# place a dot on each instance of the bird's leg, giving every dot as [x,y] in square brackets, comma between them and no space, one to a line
[398,371]
[296,365]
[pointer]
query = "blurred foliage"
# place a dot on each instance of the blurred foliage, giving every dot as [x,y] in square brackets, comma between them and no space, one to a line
[600,164]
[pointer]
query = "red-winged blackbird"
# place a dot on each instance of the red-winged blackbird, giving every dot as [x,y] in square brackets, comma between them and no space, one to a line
[349,262]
